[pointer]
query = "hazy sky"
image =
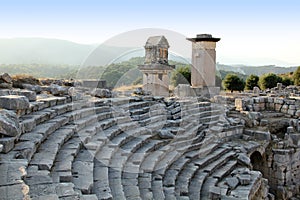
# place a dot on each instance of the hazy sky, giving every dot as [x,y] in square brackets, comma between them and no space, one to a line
[252,31]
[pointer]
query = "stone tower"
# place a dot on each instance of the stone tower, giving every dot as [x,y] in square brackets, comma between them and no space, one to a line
[203,70]
[156,67]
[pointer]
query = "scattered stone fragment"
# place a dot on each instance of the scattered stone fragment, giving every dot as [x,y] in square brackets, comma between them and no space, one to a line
[101,93]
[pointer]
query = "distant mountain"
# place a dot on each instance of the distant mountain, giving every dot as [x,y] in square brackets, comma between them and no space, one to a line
[257,70]
[42,51]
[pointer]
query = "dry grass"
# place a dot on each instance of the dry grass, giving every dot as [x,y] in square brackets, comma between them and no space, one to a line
[127,88]
[20,79]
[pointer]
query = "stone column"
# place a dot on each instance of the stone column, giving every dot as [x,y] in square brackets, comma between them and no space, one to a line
[203,60]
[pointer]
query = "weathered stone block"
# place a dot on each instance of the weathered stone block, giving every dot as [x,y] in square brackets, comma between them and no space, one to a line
[14,102]
[297,113]
[31,96]
[256,107]
[101,93]
[239,104]
[279,100]
[284,108]
[270,100]
[5,78]
[17,191]
[244,179]
[256,90]
[232,182]
[278,107]
[292,107]
[7,144]
[291,112]
[9,124]
[262,106]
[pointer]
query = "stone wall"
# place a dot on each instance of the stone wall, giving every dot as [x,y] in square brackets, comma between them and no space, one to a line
[288,106]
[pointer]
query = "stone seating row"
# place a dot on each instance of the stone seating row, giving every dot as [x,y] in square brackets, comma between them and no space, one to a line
[97,150]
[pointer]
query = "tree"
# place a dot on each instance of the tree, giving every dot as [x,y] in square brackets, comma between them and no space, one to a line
[233,82]
[286,81]
[269,80]
[182,75]
[251,82]
[296,76]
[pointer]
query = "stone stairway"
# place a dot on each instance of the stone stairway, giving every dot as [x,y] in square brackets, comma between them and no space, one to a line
[112,149]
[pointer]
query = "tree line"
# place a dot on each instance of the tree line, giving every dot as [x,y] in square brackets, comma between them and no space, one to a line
[238,82]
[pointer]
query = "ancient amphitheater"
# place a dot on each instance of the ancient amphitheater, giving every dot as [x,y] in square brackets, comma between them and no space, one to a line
[62,142]
[123,148]
[82,147]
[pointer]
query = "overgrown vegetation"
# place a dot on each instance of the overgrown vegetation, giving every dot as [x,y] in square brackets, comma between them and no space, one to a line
[233,82]
[296,76]
[181,75]
[251,82]
[269,80]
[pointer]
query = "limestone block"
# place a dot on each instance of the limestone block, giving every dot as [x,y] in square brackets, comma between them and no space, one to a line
[279,86]
[297,113]
[35,88]
[101,93]
[14,102]
[271,106]
[270,100]
[264,122]
[232,182]
[256,107]
[5,78]
[256,90]
[9,124]
[16,191]
[244,159]
[291,112]
[278,107]
[31,96]
[292,107]
[7,144]
[57,90]
[279,101]
[290,101]
[262,106]
[244,179]
[239,104]
[165,134]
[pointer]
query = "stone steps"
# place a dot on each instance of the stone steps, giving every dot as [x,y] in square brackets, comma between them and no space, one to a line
[45,125]
[111,151]
[207,190]
[154,168]
[117,164]
[243,191]
[86,137]
[29,142]
[131,172]
[80,128]
[176,171]
[111,155]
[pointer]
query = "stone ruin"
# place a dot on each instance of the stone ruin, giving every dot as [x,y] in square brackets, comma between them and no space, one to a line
[156,68]
[63,141]
[75,145]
